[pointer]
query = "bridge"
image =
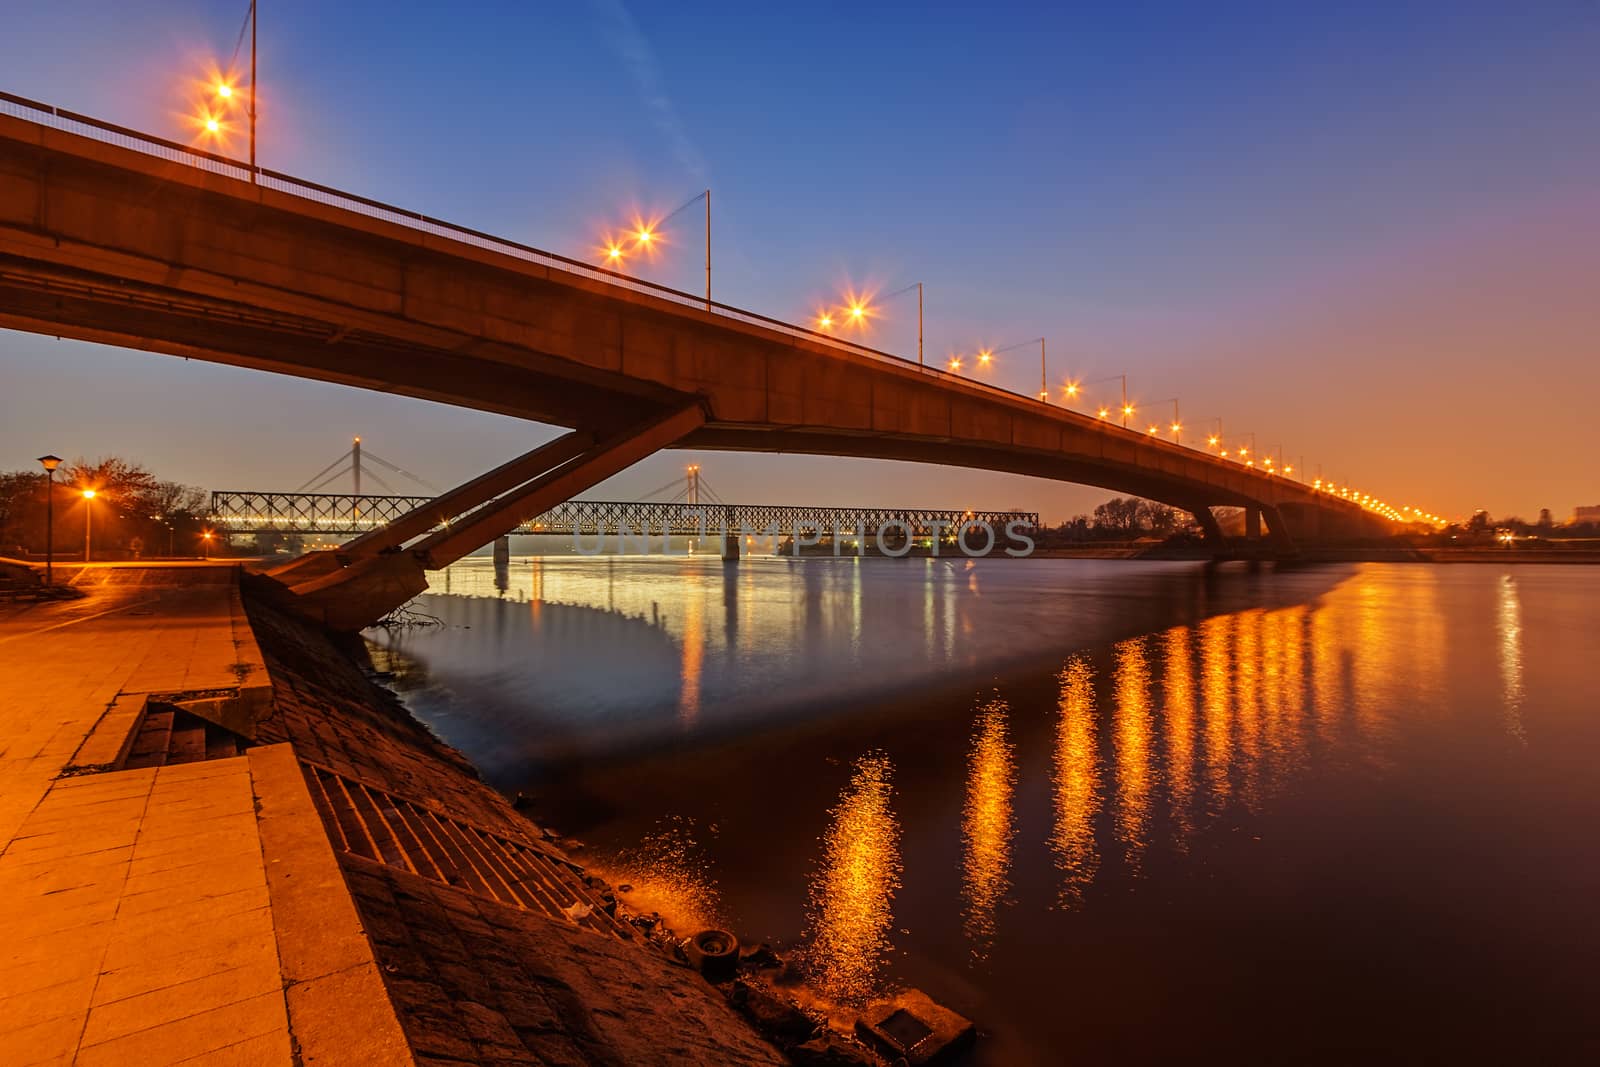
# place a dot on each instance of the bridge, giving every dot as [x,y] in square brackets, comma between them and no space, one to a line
[243,511]
[118,237]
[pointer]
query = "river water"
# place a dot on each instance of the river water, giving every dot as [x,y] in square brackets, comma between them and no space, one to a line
[1111,810]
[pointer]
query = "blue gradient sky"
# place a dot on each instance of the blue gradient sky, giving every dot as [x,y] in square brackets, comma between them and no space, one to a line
[1370,232]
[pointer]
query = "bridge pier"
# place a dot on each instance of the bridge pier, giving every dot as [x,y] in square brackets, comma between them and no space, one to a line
[730,546]
[379,571]
[1210,528]
[502,563]
[1252,523]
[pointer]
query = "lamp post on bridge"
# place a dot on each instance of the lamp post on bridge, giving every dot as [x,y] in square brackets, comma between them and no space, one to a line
[918,287]
[646,234]
[1044,381]
[253,171]
[49,463]
[210,122]
[1105,412]
[1214,438]
[1177,423]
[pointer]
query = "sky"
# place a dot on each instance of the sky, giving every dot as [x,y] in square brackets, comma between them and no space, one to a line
[1365,233]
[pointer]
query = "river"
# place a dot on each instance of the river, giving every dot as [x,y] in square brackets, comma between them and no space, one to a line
[1111,810]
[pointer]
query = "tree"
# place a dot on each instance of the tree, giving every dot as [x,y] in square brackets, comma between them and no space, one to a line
[123,484]
[132,509]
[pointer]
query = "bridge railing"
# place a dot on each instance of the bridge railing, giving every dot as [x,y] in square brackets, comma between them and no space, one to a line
[242,511]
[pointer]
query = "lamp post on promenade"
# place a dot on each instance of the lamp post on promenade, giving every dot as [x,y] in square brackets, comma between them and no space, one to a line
[50,463]
[88,520]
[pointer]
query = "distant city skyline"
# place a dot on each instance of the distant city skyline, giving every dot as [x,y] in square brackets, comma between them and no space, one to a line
[1370,236]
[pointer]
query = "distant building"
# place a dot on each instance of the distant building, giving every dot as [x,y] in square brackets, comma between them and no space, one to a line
[1588,514]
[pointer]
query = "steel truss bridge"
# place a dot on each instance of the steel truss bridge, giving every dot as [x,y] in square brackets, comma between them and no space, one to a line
[240,511]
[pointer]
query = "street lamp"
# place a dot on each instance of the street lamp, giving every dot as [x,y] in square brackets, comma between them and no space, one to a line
[858,309]
[1074,388]
[49,463]
[1177,423]
[88,516]
[918,287]
[1044,382]
[211,121]
[205,545]
[645,234]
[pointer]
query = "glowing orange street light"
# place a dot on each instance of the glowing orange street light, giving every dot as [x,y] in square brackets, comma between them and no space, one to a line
[859,308]
[985,357]
[1072,389]
[1104,413]
[88,517]
[955,363]
[824,321]
[224,91]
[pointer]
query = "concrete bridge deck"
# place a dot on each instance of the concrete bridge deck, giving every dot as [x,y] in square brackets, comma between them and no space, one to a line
[146,245]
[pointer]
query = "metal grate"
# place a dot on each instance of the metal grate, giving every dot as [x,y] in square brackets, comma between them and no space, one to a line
[367,821]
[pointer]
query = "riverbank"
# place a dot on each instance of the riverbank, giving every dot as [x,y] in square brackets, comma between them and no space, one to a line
[219,840]
[494,943]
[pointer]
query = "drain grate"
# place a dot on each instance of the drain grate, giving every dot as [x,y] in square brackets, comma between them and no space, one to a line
[364,820]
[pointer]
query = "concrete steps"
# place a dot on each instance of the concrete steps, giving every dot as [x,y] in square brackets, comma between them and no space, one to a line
[169,735]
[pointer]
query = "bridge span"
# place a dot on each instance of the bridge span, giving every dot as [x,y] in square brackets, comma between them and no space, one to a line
[242,511]
[114,236]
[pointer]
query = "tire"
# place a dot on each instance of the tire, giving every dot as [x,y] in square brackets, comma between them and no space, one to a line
[714,953]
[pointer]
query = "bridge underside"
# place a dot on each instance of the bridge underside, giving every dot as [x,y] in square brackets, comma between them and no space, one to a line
[112,244]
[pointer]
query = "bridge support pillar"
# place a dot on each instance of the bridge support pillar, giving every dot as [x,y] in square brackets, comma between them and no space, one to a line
[354,597]
[1209,527]
[381,571]
[1278,530]
[1252,523]
[730,546]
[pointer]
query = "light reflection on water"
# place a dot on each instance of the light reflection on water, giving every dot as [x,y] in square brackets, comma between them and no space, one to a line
[1509,623]
[852,891]
[986,825]
[1278,772]
[1179,714]
[1132,740]
[1077,782]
